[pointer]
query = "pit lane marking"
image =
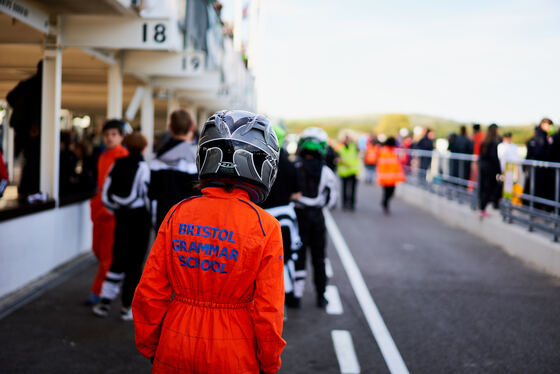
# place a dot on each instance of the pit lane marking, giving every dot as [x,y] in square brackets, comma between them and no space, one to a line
[376,324]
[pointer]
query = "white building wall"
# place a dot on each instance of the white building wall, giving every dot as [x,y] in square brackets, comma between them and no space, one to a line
[33,245]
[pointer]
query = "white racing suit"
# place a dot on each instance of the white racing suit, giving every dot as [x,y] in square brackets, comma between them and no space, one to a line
[294,272]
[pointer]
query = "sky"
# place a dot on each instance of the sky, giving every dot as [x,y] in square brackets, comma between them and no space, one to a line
[470,61]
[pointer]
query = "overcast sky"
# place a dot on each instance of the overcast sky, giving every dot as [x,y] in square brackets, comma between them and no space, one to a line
[478,60]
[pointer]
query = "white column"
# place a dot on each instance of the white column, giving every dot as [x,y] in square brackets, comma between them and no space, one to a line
[147,119]
[50,121]
[115,91]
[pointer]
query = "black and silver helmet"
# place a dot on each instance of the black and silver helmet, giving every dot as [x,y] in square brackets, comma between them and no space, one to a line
[236,145]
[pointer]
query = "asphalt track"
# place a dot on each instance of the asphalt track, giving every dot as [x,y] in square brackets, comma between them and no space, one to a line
[451,303]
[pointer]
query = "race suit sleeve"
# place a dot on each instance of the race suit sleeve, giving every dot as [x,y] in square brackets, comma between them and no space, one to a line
[330,187]
[152,297]
[105,198]
[269,303]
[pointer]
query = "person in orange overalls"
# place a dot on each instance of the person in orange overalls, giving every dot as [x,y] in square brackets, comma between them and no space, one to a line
[477,138]
[389,172]
[370,157]
[103,220]
[211,298]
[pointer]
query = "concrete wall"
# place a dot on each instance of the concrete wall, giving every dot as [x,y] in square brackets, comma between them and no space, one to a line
[536,249]
[33,245]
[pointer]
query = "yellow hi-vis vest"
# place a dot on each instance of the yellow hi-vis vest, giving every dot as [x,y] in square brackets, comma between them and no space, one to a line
[349,163]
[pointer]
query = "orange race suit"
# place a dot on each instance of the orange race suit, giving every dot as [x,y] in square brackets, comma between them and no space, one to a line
[211,298]
[103,220]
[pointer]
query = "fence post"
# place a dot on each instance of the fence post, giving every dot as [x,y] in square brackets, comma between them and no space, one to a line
[531,202]
[475,189]
[556,198]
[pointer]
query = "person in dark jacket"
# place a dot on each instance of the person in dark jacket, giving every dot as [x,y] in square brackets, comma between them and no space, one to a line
[331,157]
[489,186]
[540,147]
[174,174]
[67,177]
[279,203]
[125,192]
[463,145]
[425,144]
[25,100]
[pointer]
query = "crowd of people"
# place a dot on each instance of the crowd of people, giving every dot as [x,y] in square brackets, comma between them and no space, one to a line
[208,197]
[235,218]
[493,153]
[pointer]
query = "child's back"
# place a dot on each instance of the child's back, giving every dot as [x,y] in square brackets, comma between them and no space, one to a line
[211,296]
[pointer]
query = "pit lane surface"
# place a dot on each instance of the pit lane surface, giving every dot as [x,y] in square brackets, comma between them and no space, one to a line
[451,303]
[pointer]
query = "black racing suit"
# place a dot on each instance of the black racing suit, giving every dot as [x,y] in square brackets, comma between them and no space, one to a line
[278,204]
[318,186]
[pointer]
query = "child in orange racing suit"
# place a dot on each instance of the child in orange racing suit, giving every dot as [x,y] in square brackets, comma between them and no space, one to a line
[211,296]
[103,220]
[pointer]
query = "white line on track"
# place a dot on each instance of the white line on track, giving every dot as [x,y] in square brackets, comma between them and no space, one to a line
[335,305]
[380,332]
[328,268]
[345,353]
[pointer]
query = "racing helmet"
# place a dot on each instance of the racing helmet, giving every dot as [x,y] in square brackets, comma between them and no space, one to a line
[240,148]
[313,139]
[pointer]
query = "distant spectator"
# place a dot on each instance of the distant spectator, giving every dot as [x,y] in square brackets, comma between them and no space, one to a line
[389,172]
[426,143]
[370,158]
[348,168]
[489,186]
[405,156]
[508,151]
[67,178]
[477,138]
[25,100]
[85,168]
[554,149]
[174,173]
[539,148]
[461,145]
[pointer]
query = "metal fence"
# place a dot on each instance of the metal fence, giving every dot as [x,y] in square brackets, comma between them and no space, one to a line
[531,189]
